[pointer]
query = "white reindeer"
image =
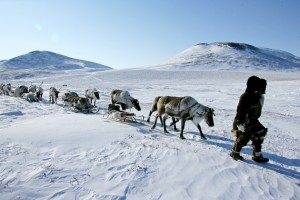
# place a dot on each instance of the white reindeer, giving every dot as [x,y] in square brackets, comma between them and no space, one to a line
[124,99]
[20,91]
[53,95]
[7,89]
[92,94]
[32,88]
[39,92]
[184,108]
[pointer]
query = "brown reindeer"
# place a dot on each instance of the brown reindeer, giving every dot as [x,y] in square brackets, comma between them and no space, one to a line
[184,108]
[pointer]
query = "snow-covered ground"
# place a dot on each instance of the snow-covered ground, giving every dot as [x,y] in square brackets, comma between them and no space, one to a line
[48,152]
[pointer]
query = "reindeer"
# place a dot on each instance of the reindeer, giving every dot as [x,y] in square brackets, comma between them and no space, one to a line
[39,92]
[20,91]
[184,108]
[32,88]
[7,89]
[154,108]
[53,95]
[124,99]
[1,88]
[92,94]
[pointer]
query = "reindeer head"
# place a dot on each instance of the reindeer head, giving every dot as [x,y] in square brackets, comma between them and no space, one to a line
[97,95]
[136,104]
[32,88]
[208,115]
[8,86]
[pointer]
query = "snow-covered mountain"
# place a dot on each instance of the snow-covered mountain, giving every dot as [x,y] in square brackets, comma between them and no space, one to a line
[50,60]
[2,61]
[45,62]
[231,56]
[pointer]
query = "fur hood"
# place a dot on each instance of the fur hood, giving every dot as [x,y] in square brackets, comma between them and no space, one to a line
[253,84]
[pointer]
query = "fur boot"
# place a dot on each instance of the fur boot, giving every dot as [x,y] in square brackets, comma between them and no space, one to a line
[258,157]
[235,153]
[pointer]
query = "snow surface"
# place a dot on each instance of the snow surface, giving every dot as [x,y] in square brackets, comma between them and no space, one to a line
[49,152]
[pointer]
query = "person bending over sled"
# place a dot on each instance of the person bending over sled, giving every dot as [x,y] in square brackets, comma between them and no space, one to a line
[246,126]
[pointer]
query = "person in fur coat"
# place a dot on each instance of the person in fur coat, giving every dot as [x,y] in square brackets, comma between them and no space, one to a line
[246,125]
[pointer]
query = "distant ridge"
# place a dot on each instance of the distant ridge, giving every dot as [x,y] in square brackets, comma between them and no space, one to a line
[49,60]
[231,56]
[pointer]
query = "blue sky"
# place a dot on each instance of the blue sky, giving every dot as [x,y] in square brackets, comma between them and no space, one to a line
[134,33]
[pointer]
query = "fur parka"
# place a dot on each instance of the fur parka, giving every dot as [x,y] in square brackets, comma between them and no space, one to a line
[250,104]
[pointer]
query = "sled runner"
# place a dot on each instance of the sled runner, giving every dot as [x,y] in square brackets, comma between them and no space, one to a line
[80,104]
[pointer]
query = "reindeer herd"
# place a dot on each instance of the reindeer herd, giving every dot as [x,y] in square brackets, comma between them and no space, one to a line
[178,108]
[33,93]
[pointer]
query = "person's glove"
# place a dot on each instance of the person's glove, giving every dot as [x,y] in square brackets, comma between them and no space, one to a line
[241,127]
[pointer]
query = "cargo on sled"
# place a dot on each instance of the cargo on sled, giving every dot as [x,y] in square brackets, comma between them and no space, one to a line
[116,114]
[80,104]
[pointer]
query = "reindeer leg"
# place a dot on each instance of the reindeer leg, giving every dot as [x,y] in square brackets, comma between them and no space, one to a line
[154,125]
[164,123]
[174,124]
[182,127]
[201,133]
[150,113]
[161,121]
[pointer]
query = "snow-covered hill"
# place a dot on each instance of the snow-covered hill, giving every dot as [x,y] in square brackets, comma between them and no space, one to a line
[2,61]
[45,62]
[231,56]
